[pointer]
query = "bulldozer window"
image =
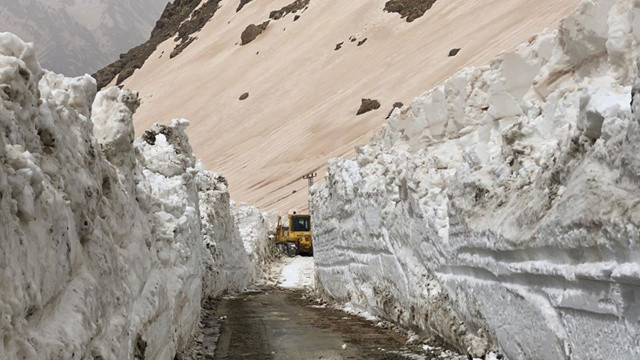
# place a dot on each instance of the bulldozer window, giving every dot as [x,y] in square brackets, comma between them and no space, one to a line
[300,223]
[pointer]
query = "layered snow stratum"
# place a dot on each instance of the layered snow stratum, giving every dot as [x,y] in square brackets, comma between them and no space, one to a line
[103,238]
[501,210]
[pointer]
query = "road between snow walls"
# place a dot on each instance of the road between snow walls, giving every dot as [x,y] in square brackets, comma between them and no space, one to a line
[501,210]
[108,244]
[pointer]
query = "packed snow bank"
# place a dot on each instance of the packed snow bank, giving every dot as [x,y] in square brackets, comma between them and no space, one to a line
[501,210]
[254,231]
[228,266]
[101,252]
[297,273]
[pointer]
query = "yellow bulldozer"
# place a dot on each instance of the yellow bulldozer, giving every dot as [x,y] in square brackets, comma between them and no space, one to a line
[297,237]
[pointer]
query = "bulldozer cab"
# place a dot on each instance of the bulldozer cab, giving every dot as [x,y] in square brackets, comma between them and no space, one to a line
[300,223]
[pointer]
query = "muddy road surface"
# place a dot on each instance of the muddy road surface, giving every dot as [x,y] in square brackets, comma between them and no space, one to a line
[279,324]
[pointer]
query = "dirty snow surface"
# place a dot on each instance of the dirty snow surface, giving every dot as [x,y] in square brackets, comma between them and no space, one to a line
[107,244]
[501,209]
[296,273]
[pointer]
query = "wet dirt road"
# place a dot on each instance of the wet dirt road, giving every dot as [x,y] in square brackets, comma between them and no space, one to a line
[279,324]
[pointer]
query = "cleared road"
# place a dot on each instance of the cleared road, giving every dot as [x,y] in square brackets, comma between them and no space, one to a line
[279,324]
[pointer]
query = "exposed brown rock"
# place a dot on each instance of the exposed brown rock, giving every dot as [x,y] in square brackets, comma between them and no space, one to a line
[252,31]
[291,8]
[176,20]
[244,96]
[242,4]
[140,348]
[180,47]
[362,41]
[198,19]
[409,9]
[454,52]
[368,105]
[339,46]
[395,105]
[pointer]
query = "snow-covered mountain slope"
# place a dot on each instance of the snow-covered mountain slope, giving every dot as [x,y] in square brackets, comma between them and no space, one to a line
[502,208]
[303,94]
[107,244]
[80,36]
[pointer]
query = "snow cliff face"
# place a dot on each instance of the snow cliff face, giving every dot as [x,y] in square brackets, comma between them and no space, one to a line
[254,231]
[228,267]
[502,208]
[101,253]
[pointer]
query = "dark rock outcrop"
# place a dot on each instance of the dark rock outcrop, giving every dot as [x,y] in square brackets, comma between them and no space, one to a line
[242,4]
[180,47]
[368,105]
[454,52]
[395,105]
[291,8]
[252,31]
[409,9]
[178,19]
[196,22]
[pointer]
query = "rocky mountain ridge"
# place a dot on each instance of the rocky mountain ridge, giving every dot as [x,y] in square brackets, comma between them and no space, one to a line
[75,37]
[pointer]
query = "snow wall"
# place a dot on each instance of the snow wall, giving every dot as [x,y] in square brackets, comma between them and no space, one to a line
[501,210]
[254,231]
[103,239]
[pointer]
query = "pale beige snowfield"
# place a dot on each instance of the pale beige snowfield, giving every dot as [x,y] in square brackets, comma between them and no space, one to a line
[303,94]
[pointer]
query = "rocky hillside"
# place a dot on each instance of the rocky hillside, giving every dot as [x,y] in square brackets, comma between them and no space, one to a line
[108,243]
[80,36]
[501,209]
[273,88]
